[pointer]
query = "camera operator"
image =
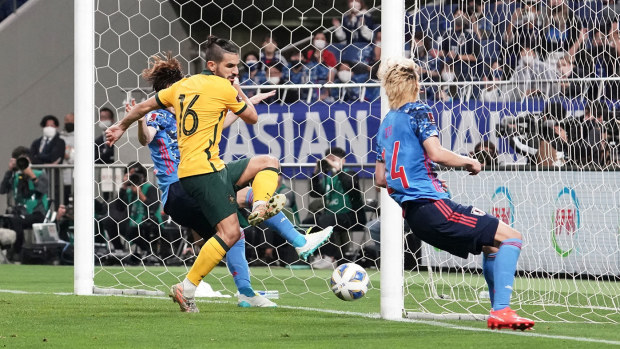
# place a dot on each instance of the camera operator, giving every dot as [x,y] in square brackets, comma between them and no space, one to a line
[589,139]
[29,190]
[64,220]
[486,154]
[139,199]
[342,199]
[539,137]
[611,128]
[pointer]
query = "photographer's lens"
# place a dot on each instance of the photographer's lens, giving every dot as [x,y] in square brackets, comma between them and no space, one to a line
[22,163]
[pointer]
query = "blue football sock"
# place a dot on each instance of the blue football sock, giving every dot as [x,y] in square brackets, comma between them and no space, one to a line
[286,229]
[504,271]
[238,267]
[488,264]
[249,198]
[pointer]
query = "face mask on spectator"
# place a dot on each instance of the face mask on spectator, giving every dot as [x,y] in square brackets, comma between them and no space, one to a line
[104,124]
[274,80]
[344,75]
[251,64]
[528,59]
[597,49]
[69,127]
[49,131]
[320,44]
[447,76]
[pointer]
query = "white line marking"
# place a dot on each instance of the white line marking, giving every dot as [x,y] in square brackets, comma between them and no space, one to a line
[364,315]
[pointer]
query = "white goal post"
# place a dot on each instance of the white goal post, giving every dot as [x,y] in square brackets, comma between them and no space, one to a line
[84,101]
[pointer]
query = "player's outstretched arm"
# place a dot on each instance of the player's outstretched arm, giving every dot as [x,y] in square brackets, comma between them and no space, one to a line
[116,131]
[145,133]
[445,157]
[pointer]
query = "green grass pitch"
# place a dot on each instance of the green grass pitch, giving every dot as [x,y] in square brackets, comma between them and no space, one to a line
[45,314]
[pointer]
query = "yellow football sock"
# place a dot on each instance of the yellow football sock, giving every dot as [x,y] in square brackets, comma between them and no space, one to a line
[265,184]
[210,255]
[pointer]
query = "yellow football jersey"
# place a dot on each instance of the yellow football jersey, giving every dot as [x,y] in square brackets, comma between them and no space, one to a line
[200,103]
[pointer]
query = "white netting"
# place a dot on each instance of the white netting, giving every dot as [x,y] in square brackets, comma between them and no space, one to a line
[147,256]
[532,84]
[544,174]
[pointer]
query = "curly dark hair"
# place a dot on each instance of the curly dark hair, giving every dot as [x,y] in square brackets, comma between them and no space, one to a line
[163,71]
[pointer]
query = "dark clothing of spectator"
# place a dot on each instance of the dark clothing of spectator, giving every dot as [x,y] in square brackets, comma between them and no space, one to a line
[47,150]
[343,202]
[298,74]
[588,144]
[599,61]
[142,228]
[30,200]
[462,42]
[276,60]
[561,30]
[355,28]
[104,154]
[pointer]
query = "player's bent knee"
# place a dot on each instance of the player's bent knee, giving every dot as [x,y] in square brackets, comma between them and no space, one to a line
[229,236]
[505,232]
[271,161]
[264,161]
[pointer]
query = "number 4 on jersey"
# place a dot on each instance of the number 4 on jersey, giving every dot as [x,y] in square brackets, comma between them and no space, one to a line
[400,172]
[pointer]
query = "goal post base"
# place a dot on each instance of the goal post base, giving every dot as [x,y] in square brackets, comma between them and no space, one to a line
[127,292]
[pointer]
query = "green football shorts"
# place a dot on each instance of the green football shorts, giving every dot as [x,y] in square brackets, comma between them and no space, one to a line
[215,192]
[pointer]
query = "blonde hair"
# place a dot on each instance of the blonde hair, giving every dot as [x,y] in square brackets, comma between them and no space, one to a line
[399,77]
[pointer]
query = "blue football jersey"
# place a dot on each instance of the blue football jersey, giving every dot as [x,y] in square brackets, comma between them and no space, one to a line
[164,149]
[409,171]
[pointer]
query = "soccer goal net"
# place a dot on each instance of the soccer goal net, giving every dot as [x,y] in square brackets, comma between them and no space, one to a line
[528,88]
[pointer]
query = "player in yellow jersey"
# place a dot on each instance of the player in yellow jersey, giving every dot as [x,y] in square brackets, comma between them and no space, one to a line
[201,103]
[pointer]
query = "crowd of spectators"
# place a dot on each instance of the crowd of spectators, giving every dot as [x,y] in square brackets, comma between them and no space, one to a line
[532,49]
[347,54]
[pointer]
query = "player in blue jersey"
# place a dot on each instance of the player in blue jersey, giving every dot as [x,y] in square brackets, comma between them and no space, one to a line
[158,130]
[407,149]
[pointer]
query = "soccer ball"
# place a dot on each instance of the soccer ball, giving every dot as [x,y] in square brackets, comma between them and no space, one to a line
[349,282]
